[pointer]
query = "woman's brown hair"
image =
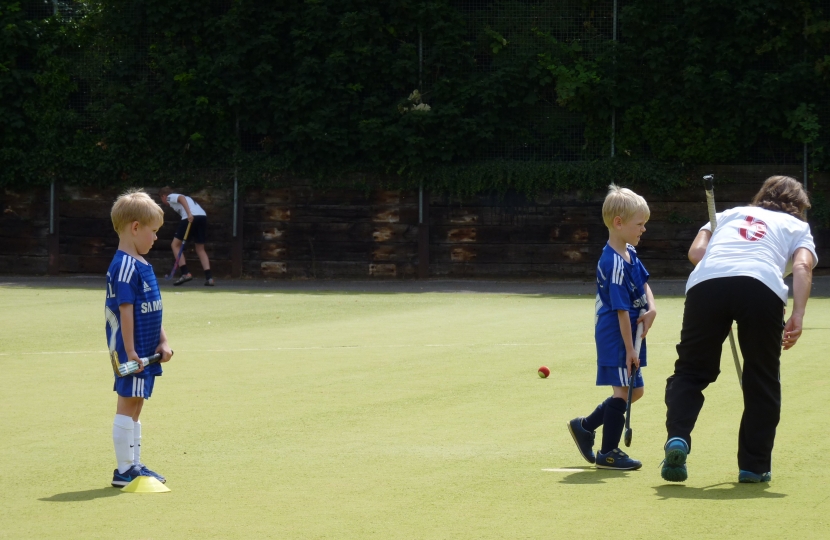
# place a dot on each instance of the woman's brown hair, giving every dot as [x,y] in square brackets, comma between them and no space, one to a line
[783,194]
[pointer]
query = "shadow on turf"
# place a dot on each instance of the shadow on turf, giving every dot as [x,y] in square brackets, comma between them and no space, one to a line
[591,475]
[738,491]
[86,495]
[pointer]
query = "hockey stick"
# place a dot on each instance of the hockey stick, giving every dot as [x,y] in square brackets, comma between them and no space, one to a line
[181,249]
[708,182]
[128,368]
[638,342]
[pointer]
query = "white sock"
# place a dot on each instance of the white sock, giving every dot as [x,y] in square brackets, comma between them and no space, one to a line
[122,439]
[137,443]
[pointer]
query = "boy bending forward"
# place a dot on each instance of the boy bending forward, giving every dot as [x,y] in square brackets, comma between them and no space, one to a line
[133,315]
[622,292]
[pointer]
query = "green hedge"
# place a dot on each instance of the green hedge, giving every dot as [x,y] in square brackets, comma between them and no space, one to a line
[131,92]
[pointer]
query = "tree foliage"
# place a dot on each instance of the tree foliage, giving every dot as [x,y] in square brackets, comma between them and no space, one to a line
[134,91]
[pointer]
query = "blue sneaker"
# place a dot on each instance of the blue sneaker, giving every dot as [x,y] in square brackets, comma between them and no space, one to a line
[674,466]
[583,438]
[747,477]
[617,459]
[147,472]
[124,478]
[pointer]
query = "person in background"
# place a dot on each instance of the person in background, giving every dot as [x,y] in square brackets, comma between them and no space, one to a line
[194,215]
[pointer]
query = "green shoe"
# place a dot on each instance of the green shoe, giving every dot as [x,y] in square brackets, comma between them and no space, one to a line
[674,466]
[747,477]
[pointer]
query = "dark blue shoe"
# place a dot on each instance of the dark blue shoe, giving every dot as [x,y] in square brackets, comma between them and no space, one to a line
[147,472]
[124,478]
[617,459]
[583,438]
[747,477]
[674,465]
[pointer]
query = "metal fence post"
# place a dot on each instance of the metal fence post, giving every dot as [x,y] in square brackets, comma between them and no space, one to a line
[614,109]
[54,245]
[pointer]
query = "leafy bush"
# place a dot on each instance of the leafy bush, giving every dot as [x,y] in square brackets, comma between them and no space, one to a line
[508,96]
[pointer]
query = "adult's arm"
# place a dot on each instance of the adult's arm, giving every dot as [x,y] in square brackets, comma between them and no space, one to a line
[182,200]
[698,249]
[802,282]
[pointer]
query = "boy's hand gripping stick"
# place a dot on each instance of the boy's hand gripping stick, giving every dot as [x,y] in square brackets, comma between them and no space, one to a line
[708,182]
[128,368]
[638,343]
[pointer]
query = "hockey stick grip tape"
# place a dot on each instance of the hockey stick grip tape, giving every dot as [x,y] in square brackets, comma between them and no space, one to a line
[713,217]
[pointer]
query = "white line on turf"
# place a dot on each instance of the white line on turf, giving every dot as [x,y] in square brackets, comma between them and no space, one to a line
[567,470]
[325,347]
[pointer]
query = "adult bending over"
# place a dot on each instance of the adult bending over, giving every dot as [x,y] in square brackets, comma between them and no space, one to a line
[739,277]
[194,214]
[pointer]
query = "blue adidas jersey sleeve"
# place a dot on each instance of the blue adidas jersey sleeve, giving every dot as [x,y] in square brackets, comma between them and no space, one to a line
[125,283]
[618,296]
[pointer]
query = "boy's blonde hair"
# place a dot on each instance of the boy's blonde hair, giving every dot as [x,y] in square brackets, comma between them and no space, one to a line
[624,203]
[135,205]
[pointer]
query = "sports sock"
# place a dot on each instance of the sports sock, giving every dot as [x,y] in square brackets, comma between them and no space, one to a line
[137,443]
[208,274]
[184,269]
[122,439]
[613,424]
[595,419]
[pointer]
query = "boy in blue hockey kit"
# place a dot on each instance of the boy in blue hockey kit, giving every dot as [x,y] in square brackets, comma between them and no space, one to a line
[133,325]
[622,291]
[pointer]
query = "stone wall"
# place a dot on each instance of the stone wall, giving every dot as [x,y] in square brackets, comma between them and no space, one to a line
[306,232]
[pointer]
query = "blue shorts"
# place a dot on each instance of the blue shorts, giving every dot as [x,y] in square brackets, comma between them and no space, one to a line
[612,376]
[132,386]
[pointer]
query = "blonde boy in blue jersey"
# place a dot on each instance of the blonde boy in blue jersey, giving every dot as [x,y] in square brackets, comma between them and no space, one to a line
[622,291]
[133,325]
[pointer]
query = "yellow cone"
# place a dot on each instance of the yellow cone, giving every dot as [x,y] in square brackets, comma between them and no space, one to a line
[145,484]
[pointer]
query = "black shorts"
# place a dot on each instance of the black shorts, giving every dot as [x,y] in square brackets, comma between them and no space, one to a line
[198,231]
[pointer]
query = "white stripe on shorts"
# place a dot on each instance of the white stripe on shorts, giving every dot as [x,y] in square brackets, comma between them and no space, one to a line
[623,376]
[138,387]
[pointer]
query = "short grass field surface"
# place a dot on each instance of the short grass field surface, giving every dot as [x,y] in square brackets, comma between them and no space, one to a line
[365,415]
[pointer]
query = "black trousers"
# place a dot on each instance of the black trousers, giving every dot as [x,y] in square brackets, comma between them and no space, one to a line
[710,308]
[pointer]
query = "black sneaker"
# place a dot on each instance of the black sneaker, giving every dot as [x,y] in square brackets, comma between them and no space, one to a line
[617,459]
[583,438]
[122,479]
[209,282]
[674,466]
[184,279]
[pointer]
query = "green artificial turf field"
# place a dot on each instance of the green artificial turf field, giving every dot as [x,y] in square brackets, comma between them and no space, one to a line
[347,415]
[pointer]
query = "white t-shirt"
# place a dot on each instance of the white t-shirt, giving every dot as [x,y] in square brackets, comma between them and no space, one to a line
[195,209]
[754,242]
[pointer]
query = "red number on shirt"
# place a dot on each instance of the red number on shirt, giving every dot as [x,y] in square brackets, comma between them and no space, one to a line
[754,230]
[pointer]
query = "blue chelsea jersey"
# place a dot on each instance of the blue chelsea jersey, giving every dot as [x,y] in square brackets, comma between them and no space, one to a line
[620,286]
[130,281]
